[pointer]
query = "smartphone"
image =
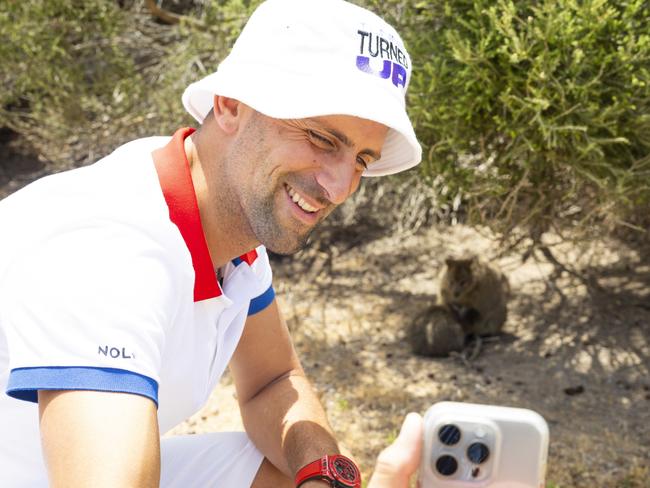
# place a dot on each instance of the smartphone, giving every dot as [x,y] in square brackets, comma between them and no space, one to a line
[469,445]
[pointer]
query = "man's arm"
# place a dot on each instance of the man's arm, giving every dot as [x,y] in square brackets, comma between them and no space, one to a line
[279,408]
[99,439]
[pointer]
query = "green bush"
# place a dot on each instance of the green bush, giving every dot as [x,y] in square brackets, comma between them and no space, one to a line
[81,77]
[61,66]
[534,113]
[196,52]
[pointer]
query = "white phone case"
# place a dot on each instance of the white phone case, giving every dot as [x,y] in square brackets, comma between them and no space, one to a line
[477,446]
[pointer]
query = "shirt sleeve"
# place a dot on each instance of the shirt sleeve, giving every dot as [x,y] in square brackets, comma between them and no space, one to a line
[87,309]
[262,301]
[265,292]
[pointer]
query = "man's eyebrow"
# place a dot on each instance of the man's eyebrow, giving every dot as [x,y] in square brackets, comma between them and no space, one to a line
[345,140]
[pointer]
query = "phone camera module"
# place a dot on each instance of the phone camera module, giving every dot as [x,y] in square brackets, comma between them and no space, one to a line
[449,434]
[478,452]
[446,465]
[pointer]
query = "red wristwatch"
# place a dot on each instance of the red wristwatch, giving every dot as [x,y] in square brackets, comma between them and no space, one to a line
[337,470]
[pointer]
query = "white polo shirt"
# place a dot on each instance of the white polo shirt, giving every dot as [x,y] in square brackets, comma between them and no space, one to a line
[106,283]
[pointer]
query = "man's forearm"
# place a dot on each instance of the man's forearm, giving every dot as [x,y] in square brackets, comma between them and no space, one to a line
[288,423]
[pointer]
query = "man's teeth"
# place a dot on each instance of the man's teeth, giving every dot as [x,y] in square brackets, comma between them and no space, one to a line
[298,200]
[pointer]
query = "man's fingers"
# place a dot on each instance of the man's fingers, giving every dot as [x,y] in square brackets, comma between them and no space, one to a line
[400,460]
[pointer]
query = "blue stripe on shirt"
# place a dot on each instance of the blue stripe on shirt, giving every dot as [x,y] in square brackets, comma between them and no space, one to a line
[24,383]
[261,302]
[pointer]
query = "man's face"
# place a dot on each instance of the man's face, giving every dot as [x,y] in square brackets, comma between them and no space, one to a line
[290,174]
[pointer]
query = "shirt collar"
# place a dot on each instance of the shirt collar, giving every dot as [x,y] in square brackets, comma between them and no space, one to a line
[176,183]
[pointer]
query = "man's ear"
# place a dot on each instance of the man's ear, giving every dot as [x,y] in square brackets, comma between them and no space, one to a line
[227,113]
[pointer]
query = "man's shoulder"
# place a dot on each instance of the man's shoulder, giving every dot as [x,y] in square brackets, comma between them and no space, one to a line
[120,190]
[261,266]
[144,145]
[262,257]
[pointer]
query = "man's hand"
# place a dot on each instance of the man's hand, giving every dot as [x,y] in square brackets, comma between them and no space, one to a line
[99,439]
[401,459]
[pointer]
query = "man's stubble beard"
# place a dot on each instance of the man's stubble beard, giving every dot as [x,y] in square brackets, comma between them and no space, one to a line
[270,232]
[260,205]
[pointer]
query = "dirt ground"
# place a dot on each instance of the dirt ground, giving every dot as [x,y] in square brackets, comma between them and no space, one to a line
[580,358]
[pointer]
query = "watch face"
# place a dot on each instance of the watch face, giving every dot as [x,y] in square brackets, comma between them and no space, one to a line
[345,470]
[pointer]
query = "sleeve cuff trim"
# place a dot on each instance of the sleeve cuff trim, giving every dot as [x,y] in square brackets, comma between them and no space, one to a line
[24,383]
[261,302]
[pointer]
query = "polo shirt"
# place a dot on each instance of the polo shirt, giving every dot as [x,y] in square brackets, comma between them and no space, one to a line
[106,284]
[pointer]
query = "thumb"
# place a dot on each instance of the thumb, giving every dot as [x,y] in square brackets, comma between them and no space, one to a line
[400,460]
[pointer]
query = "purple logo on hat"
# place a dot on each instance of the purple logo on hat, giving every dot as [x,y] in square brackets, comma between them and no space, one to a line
[395,61]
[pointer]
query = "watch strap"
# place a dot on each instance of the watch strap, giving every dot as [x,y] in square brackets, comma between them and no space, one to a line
[313,470]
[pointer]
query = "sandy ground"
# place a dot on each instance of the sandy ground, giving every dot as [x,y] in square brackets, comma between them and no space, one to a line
[581,358]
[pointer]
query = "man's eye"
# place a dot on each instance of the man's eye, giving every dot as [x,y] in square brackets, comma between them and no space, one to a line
[363,165]
[320,140]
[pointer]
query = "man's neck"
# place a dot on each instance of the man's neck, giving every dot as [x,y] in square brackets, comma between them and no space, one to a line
[222,236]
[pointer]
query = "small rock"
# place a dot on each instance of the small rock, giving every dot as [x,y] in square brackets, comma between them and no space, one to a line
[574,390]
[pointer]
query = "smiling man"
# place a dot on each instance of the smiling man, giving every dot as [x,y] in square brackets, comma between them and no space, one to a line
[127,287]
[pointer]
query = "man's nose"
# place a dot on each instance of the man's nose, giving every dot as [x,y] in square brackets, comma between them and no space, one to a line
[339,178]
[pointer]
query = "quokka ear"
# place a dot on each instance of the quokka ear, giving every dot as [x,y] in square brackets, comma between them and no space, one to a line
[468,260]
[455,262]
[461,260]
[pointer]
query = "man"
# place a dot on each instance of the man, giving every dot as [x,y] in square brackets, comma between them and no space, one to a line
[128,286]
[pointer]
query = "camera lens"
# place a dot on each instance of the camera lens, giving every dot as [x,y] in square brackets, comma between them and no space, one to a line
[449,434]
[446,465]
[478,452]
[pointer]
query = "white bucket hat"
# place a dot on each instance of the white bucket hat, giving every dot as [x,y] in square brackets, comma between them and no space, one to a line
[304,58]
